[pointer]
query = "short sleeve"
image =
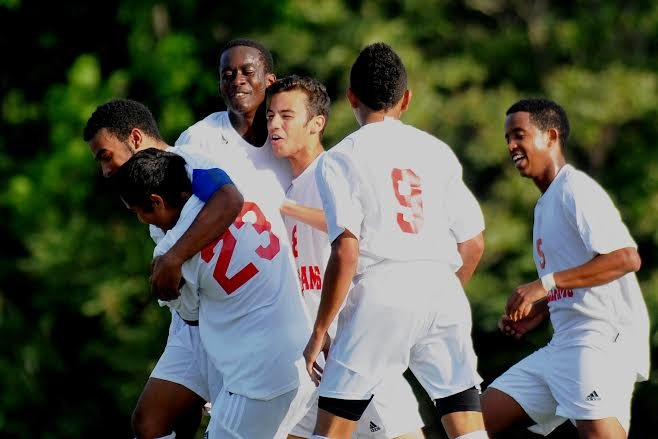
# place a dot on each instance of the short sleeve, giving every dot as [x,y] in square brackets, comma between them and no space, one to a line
[466,218]
[338,187]
[596,217]
[206,176]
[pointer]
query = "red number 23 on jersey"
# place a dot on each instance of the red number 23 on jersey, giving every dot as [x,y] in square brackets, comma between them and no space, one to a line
[230,284]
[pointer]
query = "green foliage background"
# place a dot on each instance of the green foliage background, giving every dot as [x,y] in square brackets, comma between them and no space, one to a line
[78,330]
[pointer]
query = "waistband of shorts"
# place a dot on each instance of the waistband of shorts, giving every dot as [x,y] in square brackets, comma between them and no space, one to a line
[191,322]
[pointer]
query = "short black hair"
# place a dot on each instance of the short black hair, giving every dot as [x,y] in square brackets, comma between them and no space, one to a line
[378,77]
[119,117]
[265,55]
[545,114]
[318,102]
[152,171]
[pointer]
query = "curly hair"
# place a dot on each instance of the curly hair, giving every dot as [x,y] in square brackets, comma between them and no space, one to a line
[378,77]
[545,114]
[119,117]
[265,55]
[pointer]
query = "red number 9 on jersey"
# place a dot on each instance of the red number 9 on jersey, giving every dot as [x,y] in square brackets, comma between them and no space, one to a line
[406,185]
[230,284]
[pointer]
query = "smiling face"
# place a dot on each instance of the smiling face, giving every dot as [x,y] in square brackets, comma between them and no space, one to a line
[243,79]
[110,152]
[288,125]
[528,146]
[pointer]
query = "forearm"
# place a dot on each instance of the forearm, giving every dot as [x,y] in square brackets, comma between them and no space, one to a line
[337,280]
[600,270]
[471,252]
[308,215]
[212,222]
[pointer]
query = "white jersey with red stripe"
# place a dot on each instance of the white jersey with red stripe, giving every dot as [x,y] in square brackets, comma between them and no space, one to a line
[399,190]
[252,319]
[575,220]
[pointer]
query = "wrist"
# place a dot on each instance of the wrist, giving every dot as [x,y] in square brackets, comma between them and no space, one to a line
[174,257]
[318,331]
[548,281]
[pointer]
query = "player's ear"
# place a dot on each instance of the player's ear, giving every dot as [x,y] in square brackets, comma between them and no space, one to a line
[553,136]
[406,100]
[135,138]
[156,201]
[270,79]
[318,123]
[354,101]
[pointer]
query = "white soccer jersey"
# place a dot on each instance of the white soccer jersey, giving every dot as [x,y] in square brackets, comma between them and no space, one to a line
[252,320]
[575,220]
[310,246]
[404,203]
[216,138]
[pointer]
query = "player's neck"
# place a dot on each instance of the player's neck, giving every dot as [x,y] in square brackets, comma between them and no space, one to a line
[303,159]
[544,181]
[251,127]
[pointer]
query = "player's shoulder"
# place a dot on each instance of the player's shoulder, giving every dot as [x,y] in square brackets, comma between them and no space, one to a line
[579,183]
[212,121]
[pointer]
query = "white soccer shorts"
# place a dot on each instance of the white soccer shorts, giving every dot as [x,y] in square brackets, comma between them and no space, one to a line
[401,315]
[554,384]
[244,418]
[184,361]
[392,413]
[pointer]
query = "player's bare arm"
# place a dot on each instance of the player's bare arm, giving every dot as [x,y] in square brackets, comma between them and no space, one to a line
[341,268]
[471,252]
[212,221]
[599,270]
[308,215]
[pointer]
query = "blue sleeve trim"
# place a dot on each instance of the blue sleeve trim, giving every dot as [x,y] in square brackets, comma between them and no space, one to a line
[206,182]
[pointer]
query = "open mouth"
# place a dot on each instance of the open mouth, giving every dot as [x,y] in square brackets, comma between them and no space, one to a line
[240,95]
[275,138]
[519,159]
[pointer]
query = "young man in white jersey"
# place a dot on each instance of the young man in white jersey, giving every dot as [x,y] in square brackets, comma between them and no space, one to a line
[239,135]
[396,207]
[586,260]
[297,113]
[178,386]
[242,290]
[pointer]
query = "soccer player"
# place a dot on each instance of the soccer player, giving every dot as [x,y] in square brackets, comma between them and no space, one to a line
[585,259]
[175,392]
[239,135]
[396,205]
[297,113]
[242,290]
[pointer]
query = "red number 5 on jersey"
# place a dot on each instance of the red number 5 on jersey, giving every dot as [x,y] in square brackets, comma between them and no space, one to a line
[406,185]
[230,284]
[540,253]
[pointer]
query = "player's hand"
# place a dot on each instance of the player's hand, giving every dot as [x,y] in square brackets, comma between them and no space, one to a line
[523,298]
[316,344]
[521,327]
[166,276]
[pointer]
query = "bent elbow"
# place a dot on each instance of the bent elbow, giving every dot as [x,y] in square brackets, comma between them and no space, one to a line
[634,260]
